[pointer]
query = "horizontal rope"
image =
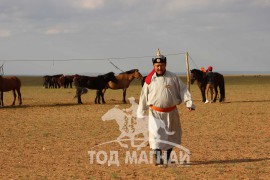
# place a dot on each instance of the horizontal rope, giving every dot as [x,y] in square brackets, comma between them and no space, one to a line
[86,59]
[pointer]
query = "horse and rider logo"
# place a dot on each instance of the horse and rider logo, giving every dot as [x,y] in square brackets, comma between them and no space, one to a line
[139,133]
[131,126]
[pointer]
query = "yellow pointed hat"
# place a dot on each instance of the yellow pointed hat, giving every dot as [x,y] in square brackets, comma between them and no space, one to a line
[158,52]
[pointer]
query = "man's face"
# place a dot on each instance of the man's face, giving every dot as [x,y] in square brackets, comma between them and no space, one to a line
[160,68]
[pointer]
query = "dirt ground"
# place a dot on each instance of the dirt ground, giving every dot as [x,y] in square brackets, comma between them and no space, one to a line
[49,136]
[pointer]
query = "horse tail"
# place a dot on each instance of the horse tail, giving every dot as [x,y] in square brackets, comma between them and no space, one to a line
[79,90]
[222,89]
[84,90]
[18,82]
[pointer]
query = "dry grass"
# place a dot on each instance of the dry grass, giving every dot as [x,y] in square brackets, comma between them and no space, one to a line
[49,136]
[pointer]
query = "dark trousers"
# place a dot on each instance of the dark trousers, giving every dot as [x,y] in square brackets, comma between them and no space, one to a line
[158,155]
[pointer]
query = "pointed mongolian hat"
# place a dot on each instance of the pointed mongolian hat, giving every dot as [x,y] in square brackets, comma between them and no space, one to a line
[159,58]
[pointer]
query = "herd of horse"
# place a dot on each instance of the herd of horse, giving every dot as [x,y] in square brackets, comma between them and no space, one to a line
[103,82]
[57,81]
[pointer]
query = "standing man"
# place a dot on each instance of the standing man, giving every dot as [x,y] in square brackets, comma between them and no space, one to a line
[161,92]
[210,84]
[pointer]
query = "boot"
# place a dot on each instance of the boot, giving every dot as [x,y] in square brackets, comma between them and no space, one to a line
[158,157]
[168,155]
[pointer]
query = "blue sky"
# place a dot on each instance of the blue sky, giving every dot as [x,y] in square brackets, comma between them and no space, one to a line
[230,35]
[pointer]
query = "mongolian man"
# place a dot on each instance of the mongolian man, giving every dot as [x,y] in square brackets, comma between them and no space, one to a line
[161,92]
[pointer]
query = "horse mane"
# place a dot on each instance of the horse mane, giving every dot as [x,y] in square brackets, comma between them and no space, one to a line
[130,71]
[198,75]
[106,75]
[197,71]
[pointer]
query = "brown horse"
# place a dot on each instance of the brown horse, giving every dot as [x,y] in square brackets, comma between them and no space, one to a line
[10,83]
[123,81]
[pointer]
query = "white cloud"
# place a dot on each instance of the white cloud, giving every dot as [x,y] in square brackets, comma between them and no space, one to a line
[57,30]
[89,4]
[4,33]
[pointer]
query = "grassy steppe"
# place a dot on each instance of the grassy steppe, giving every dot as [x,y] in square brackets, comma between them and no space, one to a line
[49,136]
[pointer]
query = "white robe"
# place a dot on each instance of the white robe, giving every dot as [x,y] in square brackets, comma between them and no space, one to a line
[164,92]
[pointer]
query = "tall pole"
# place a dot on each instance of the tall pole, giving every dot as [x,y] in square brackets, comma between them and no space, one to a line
[187,67]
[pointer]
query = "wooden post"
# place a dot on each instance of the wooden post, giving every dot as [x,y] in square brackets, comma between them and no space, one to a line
[188,76]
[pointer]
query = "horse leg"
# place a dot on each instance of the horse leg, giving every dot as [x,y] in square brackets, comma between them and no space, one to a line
[103,92]
[203,93]
[102,97]
[19,96]
[97,94]
[222,90]
[14,95]
[79,99]
[97,99]
[216,93]
[78,94]
[124,96]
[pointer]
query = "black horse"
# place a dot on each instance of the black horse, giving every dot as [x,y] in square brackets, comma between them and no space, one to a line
[98,83]
[201,80]
[143,80]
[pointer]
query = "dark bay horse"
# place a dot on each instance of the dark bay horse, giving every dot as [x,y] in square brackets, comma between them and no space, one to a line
[123,81]
[199,76]
[66,81]
[98,83]
[143,80]
[10,83]
[51,81]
